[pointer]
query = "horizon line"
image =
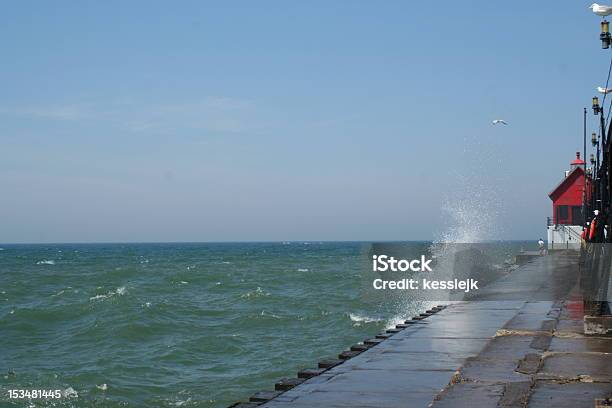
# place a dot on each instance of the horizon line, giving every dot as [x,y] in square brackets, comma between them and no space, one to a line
[251,242]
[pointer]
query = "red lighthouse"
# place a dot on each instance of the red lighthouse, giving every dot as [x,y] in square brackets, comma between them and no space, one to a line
[567,196]
[567,219]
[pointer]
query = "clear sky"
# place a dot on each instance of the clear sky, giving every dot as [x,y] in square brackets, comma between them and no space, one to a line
[277,120]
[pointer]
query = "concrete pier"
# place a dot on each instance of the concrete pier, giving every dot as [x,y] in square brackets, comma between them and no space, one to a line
[494,351]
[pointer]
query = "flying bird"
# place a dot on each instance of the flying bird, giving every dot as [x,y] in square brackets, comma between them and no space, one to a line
[601,10]
[498,121]
[604,90]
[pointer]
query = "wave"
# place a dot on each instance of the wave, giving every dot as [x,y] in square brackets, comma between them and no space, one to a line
[46,262]
[392,322]
[302,270]
[180,403]
[255,293]
[98,297]
[272,315]
[61,292]
[364,319]
[120,291]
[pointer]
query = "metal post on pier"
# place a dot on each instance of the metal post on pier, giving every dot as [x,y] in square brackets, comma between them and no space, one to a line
[584,157]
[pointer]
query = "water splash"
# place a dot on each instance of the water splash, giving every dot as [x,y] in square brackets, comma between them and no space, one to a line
[471,215]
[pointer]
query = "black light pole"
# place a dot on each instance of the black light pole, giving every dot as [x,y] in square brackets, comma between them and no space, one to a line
[598,110]
[591,204]
[598,178]
[584,192]
[603,164]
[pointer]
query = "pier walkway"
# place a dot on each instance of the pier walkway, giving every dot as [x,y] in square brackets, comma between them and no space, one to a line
[520,344]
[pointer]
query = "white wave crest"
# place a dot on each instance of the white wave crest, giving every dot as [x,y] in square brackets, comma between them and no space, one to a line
[392,322]
[255,293]
[70,393]
[120,291]
[272,315]
[98,297]
[46,262]
[364,319]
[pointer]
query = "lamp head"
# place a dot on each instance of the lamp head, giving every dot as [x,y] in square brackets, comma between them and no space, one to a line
[596,105]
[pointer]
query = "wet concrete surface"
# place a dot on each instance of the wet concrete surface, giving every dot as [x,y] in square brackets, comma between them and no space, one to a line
[540,357]
[483,353]
[568,395]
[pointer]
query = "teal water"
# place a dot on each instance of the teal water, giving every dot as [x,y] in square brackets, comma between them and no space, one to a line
[163,325]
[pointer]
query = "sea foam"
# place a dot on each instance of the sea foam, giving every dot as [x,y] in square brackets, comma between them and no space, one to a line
[363,319]
[120,291]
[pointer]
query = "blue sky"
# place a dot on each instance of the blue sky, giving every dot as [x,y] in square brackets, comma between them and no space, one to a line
[275,120]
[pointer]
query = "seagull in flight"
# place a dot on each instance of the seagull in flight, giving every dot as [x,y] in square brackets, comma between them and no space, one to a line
[604,90]
[601,10]
[498,121]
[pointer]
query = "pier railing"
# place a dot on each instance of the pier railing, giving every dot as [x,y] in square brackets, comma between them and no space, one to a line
[574,235]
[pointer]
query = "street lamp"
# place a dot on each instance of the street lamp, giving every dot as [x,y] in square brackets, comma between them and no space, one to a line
[596,107]
[605,35]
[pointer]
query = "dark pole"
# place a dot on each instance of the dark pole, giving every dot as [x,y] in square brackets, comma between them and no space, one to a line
[603,194]
[602,122]
[584,193]
[597,179]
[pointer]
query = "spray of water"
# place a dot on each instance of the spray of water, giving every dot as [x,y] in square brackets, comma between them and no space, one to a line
[472,209]
[470,212]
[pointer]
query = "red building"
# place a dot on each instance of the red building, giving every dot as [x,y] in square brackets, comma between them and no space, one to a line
[567,196]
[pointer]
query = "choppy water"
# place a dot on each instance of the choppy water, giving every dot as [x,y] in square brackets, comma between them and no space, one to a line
[192,325]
